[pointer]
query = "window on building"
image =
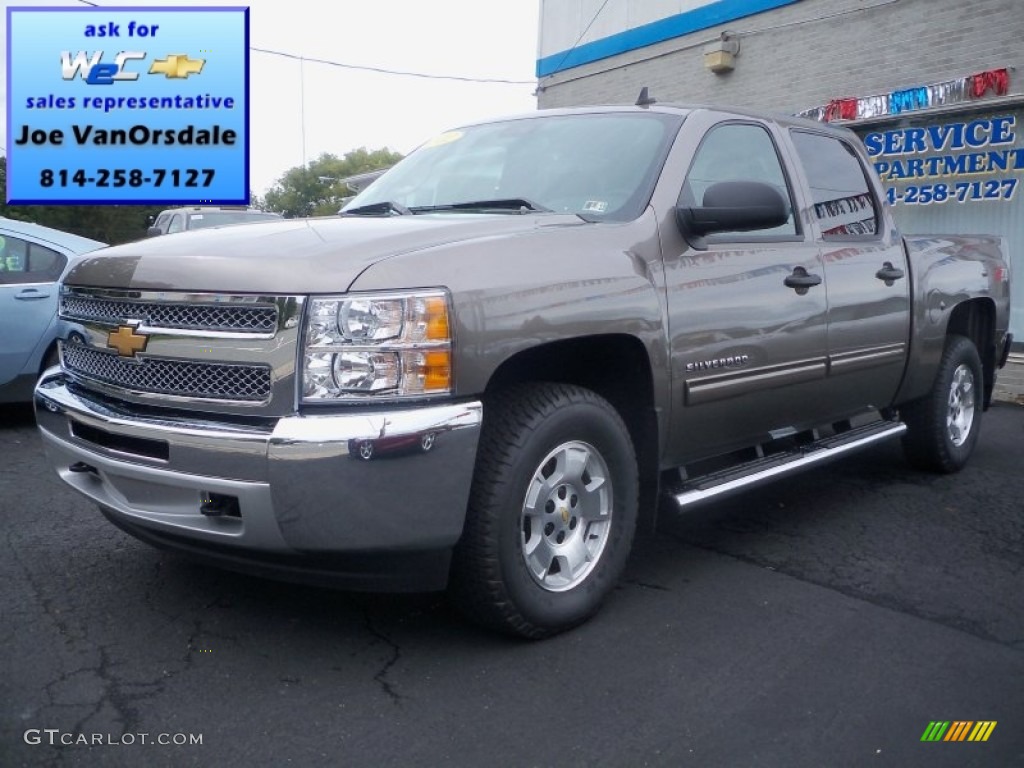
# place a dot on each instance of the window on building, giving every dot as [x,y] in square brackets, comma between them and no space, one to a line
[738,152]
[843,202]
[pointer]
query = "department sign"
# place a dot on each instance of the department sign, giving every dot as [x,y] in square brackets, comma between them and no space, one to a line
[127,105]
[980,160]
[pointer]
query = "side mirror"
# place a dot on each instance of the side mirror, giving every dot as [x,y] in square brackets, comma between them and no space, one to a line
[734,206]
[154,231]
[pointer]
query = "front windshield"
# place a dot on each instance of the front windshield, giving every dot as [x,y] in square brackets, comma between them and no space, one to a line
[598,165]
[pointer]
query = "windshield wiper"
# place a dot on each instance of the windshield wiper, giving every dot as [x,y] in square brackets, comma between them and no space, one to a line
[383,208]
[513,204]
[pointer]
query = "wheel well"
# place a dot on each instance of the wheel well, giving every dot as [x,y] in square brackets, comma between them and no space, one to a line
[615,366]
[975,319]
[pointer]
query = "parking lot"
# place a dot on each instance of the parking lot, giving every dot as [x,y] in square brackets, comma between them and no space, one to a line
[823,620]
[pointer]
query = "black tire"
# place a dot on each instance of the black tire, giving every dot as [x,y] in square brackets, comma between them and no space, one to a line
[527,431]
[932,442]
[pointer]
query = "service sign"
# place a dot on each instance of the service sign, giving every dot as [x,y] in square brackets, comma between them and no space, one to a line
[127,105]
[976,160]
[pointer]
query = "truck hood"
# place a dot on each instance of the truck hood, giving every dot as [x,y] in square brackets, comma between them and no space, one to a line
[292,256]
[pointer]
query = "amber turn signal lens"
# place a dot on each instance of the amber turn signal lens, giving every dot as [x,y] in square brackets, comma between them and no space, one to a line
[437,371]
[437,319]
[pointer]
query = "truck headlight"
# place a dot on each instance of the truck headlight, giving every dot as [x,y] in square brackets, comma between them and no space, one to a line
[377,346]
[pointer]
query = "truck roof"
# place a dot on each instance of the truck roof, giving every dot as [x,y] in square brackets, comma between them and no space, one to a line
[673,108]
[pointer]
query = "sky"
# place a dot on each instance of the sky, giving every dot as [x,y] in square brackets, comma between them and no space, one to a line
[345,109]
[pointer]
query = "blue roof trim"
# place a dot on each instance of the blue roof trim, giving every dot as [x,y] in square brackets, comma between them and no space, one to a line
[710,15]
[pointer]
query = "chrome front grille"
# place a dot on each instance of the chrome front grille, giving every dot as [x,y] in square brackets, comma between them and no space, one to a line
[213,381]
[220,318]
[210,352]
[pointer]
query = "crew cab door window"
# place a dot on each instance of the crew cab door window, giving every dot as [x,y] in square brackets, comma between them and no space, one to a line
[177,224]
[738,152]
[842,200]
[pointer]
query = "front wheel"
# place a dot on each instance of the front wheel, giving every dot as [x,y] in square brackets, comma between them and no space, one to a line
[943,426]
[552,511]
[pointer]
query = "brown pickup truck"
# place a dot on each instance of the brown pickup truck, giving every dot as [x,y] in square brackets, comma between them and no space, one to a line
[483,370]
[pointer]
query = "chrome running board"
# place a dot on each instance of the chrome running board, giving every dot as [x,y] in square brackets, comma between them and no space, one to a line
[716,485]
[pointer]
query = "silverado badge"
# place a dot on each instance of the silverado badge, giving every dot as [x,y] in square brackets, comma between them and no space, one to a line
[126,341]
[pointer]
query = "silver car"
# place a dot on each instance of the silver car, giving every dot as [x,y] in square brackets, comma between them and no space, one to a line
[33,259]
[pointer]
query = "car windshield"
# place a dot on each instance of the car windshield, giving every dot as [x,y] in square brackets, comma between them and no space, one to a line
[601,166]
[219,218]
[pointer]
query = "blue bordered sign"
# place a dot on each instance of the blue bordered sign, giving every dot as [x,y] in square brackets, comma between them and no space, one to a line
[128,105]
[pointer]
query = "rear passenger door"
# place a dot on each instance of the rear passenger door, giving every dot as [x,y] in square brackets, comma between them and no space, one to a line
[748,351]
[867,275]
[28,299]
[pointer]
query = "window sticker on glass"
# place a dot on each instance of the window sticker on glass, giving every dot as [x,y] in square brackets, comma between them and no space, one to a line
[444,138]
[595,206]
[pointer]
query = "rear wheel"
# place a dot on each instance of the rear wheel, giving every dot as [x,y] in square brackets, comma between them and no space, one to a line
[943,426]
[552,511]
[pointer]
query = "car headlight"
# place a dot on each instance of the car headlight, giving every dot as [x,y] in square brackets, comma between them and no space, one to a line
[377,346]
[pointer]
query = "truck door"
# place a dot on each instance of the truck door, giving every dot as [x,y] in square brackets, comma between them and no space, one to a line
[867,274]
[746,310]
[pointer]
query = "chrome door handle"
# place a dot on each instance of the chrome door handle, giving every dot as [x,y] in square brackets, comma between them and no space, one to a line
[889,273]
[31,294]
[801,280]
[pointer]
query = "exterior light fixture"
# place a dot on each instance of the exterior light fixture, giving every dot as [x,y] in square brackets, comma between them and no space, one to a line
[720,56]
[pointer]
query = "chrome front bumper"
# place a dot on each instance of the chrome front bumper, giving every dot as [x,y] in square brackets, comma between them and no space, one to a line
[361,482]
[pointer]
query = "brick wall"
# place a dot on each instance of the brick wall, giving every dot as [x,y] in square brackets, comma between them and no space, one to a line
[805,54]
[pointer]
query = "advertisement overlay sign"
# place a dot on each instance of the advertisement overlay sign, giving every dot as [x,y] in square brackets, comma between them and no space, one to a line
[980,160]
[128,105]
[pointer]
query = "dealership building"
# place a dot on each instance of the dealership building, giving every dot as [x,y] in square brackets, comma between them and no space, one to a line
[934,88]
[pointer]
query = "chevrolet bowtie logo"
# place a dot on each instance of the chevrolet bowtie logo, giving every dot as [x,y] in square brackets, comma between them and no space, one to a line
[126,341]
[177,65]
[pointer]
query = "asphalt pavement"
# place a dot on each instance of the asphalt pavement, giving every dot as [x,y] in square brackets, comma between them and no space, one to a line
[825,620]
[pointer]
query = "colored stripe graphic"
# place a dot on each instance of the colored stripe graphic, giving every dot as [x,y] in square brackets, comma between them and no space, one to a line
[982,730]
[958,730]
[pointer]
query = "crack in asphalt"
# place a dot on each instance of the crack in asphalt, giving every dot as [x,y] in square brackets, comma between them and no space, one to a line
[646,585]
[396,654]
[62,626]
[115,694]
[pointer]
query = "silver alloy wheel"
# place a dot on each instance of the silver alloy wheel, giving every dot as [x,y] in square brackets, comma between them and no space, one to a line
[366,450]
[960,416]
[566,516]
[427,442]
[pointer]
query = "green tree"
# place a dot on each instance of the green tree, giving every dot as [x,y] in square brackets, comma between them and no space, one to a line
[316,189]
[108,223]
